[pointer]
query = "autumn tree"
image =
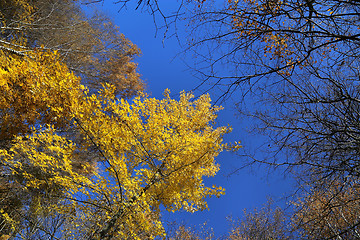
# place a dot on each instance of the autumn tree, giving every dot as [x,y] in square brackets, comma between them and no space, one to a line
[77,159]
[330,212]
[92,47]
[96,161]
[256,39]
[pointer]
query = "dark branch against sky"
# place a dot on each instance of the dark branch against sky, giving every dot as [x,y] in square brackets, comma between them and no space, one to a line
[161,69]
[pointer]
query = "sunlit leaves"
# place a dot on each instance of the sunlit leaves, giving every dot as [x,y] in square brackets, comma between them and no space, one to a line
[80,163]
[90,44]
[94,158]
[35,90]
[158,150]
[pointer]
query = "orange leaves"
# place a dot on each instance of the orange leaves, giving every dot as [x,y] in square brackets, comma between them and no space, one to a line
[36,90]
[285,32]
[324,213]
[92,47]
[261,21]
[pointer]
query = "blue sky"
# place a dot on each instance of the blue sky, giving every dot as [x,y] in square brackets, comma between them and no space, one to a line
[158,67]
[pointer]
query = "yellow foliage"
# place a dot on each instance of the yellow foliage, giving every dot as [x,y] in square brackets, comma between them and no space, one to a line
[102,163]
[13,15]
[35,90]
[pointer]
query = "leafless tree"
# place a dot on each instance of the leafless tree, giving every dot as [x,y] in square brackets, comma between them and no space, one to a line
[261,224]
[296,64]
[297,60]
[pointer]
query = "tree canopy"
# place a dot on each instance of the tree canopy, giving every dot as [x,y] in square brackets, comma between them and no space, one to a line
[80,143]
[291,67]
[92,47]
[77,159]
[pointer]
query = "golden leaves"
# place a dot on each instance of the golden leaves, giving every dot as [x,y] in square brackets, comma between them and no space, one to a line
[109,161]
[36,90]
[165,140]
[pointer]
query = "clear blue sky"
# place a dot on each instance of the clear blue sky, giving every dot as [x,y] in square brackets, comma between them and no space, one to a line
[246,189]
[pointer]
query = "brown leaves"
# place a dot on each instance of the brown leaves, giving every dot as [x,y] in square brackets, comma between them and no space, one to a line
[329,212]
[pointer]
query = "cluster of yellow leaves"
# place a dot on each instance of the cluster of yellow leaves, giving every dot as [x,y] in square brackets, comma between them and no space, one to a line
[105,164]
[44,161]
[157,151]
[35,90]
[92,46]
[20,12]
